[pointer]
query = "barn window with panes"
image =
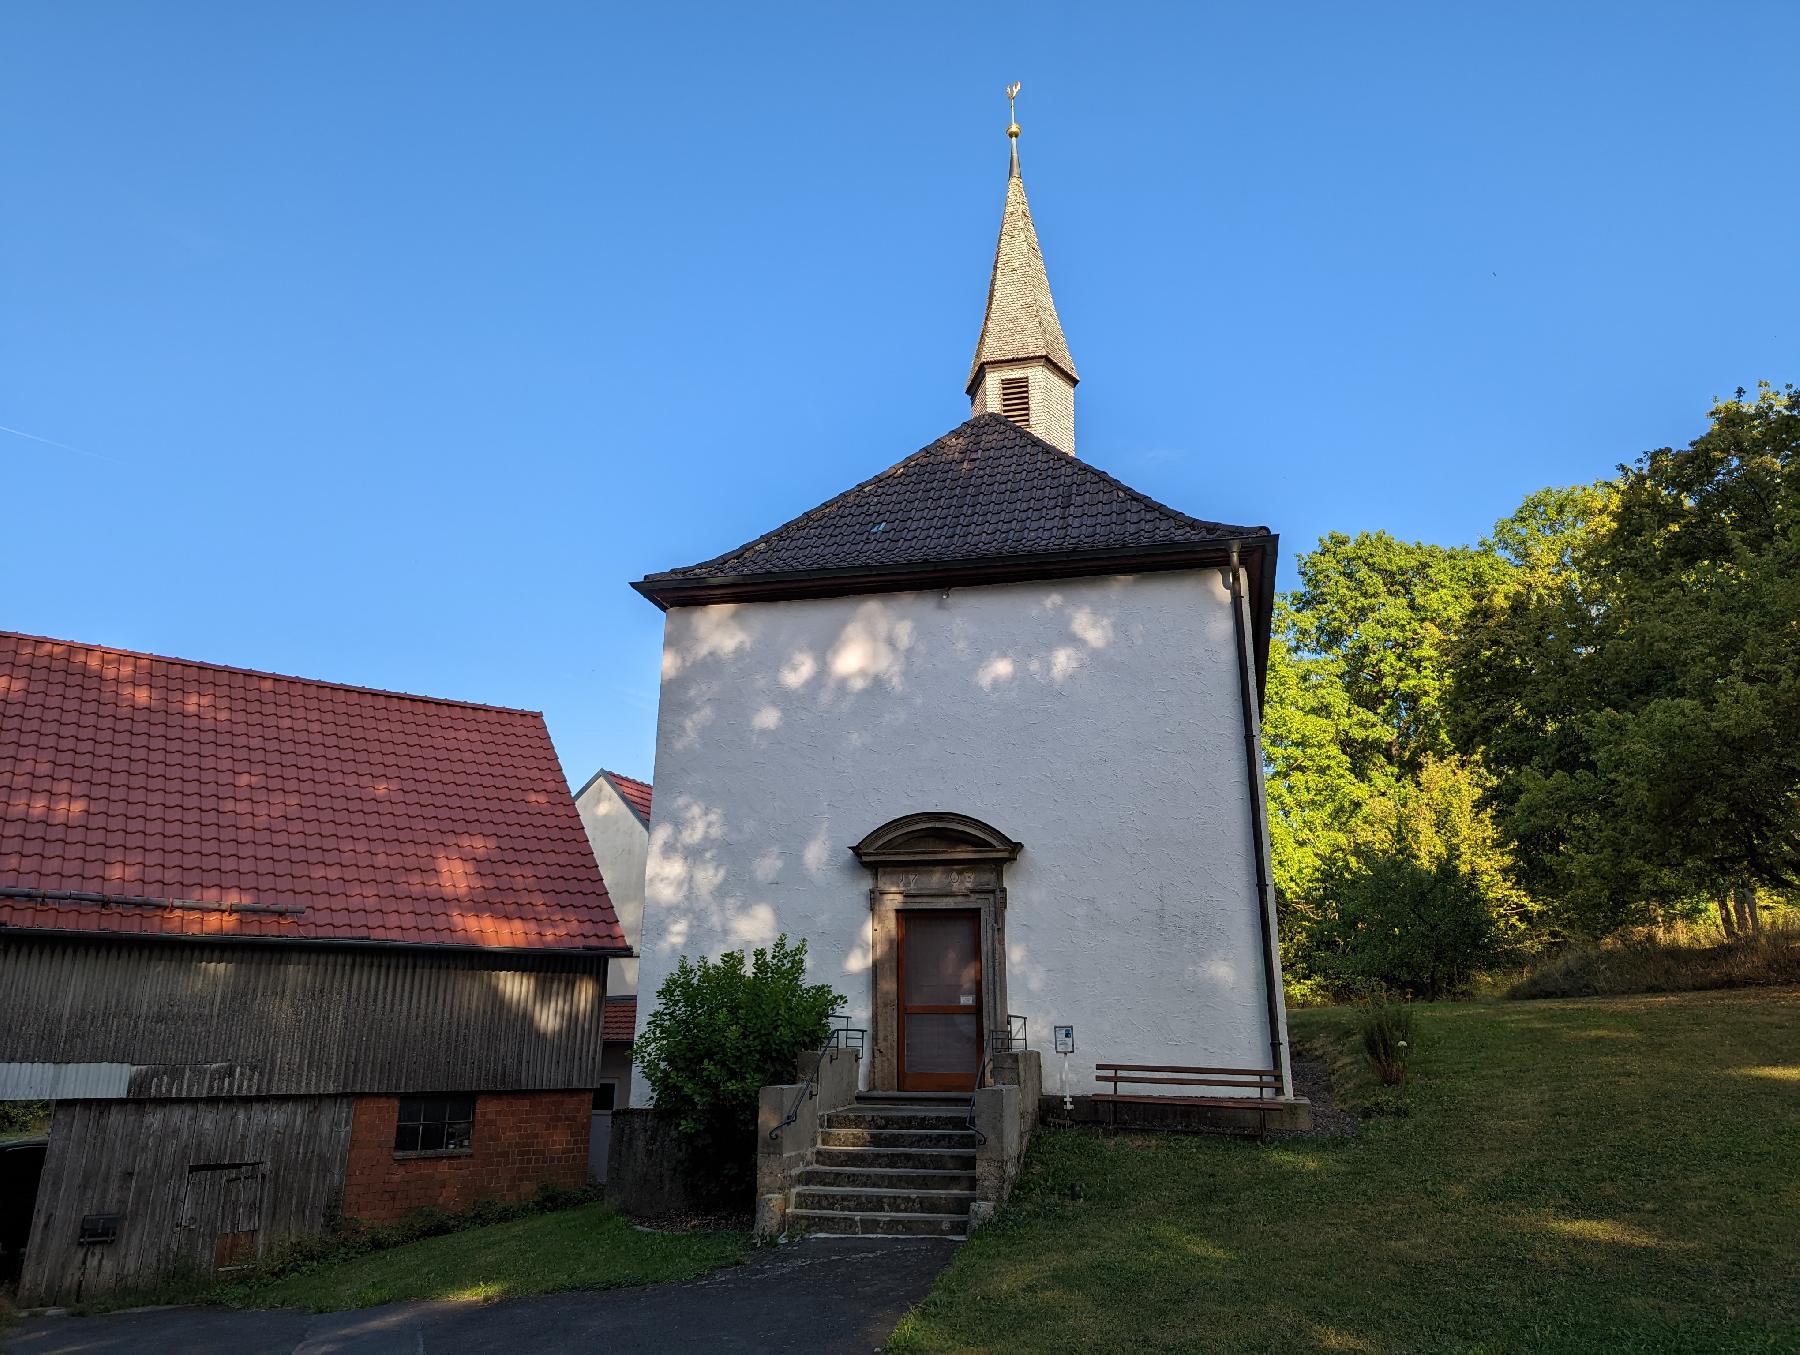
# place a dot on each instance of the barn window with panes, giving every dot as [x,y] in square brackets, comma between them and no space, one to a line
[435,1124]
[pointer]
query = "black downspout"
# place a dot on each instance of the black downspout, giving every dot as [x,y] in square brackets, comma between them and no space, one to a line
[1258,816]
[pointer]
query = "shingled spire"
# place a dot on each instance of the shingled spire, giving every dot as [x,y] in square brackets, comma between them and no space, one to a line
[1022,367]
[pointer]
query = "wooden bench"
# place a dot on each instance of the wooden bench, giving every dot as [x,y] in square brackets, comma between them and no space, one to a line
[1264,1081]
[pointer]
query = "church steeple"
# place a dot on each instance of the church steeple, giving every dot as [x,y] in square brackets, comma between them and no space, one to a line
[1022,367]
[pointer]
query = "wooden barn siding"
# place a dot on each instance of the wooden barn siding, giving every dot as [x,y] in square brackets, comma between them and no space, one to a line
[215,1019]
[133,1158]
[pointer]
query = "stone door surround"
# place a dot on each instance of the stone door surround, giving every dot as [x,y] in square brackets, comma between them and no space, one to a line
[923,861]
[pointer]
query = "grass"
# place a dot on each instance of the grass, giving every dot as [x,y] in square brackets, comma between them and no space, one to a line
[1611,1174]
[1650,963]
[588,1247]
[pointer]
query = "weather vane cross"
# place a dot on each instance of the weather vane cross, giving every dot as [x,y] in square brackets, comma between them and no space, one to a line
[1012,108]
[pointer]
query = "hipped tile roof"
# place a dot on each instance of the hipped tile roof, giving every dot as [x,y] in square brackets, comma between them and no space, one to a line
[987,490]
[200,800]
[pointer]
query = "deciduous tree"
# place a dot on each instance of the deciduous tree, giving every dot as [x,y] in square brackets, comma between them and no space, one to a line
[1363,778]
[1636,690]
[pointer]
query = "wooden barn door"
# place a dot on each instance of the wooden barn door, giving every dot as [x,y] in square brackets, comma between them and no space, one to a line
[940,999]
[223,1208]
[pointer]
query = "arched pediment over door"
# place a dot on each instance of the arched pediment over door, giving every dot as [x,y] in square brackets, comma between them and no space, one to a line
[944,873]
[935,837]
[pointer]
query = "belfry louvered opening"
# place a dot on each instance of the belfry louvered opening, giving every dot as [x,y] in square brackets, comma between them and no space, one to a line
[1015,399]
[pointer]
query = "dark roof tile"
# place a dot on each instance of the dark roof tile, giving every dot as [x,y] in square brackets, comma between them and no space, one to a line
[985,491]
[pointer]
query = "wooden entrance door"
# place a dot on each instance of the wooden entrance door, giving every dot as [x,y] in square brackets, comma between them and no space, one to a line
[940,999]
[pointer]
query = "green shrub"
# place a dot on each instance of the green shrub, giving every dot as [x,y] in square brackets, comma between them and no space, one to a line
[1307,991]
[722,1031]
[1384,1102]
[1387,1038]
[1395,923]
[24,1119]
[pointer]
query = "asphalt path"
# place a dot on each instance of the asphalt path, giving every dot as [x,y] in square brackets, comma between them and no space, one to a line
[827,1294]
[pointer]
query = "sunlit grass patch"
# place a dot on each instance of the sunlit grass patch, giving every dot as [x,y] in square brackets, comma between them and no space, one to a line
[1293,1159]
[1336,1338]
[589,1247]
[1775,1072]
[1572,1176]
[1614,1231]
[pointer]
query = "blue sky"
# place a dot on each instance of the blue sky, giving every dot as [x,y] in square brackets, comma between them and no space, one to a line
[395,339]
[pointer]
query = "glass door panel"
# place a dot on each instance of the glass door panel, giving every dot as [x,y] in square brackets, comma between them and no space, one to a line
[940,999]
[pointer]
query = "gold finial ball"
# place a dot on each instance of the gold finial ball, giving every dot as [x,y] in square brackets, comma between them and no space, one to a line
[1013,130]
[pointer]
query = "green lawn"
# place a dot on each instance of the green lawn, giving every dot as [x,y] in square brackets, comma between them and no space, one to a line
[584,1248]
[1605,1174]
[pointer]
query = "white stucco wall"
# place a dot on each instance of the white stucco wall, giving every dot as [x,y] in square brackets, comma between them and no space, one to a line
[621,845]
[1097,721]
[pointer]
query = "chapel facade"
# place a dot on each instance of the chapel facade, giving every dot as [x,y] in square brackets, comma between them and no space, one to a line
[983,730]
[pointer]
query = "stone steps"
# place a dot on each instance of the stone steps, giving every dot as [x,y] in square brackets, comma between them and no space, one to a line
[889,1178]
[846,1224]
[897,1117]
[890,1164]
[963,1139]
[896,1158]
[955,1100]
[862,1200]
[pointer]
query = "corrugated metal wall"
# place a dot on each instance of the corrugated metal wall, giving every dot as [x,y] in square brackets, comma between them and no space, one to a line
[216,1019]
[194,1183]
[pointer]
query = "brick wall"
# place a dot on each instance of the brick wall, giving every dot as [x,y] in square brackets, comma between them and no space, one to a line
[521,1140]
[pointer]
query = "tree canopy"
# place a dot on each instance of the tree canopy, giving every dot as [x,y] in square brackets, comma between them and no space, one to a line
[1366,790]
[1586,720]
[1637,690]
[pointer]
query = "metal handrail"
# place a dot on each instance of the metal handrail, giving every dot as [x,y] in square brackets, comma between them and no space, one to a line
[997,1044]
[980,1076]
[1018,1033]
[839,1039]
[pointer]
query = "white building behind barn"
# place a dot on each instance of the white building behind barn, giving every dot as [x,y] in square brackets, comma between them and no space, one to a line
[983,731]
[615,811]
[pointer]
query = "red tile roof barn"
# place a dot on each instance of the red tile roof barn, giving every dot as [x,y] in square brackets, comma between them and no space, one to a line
[634,793]
[191,799]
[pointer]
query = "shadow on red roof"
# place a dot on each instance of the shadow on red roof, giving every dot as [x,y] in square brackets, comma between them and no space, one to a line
[200,800]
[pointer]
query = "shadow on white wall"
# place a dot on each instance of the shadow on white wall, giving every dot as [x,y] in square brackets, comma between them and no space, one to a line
[865,674]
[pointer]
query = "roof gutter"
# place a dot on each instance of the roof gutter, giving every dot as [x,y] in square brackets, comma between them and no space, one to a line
[689,591]
[1260,549]
[323,942]
[1262,606]
[233,907]
[1250,693]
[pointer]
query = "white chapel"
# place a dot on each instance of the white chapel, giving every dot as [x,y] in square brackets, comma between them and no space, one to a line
[982,729]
